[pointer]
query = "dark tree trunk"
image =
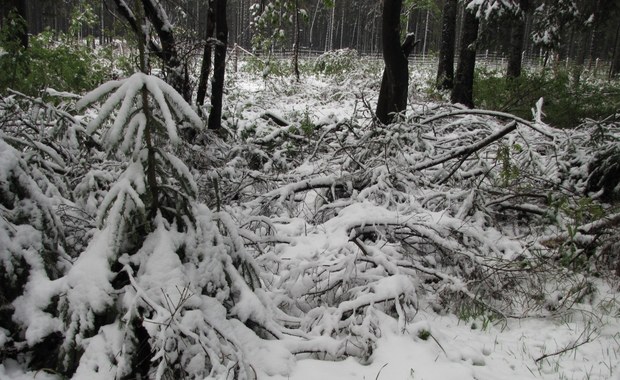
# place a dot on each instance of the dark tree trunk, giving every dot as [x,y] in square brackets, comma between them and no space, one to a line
[517,39]
[296,40]
[205,69]
[463,91]
[445,68]
[516,49]
[219,65]
[614,71]
[395,82]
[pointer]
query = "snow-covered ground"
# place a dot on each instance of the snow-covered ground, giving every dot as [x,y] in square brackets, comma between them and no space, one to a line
[579,346]
[340,249]
[582,343]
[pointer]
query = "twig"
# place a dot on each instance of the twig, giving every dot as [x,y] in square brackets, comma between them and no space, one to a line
[566,349]
[381,369]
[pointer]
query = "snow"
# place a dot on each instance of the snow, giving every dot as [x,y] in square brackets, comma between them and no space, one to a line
[126,93]
[370,253]
[456,351]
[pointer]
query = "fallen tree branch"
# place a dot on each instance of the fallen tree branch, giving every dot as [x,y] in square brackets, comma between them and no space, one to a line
[466,150]
[586,229]
[498,114]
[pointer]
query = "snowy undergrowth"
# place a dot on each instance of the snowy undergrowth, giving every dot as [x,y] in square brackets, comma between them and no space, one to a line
[480,214]
[452,237]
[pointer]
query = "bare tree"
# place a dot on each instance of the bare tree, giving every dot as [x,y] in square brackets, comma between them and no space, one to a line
[463,90]
[296,39]
[219,65]
[395,82]
[517,39]
[445,68]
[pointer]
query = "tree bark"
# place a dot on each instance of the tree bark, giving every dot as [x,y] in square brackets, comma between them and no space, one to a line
[517,39]
[219,65]
[614,70]
[395,82]
[296,40]
[205,69]
[463,91]
[445,68]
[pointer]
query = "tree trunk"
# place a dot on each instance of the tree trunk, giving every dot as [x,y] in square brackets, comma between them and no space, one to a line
[463,91]
[205,69]
[219,65]
[296,40]
[395,82]
[517,40]
[614,70]
[516,49]
[445,68]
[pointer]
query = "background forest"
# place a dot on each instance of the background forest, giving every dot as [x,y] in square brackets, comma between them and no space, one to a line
[297,189]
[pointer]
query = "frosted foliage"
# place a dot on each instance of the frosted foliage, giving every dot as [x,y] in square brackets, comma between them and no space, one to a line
[29,237]
[124,197]
[552,19]
[486,9]
[129,120]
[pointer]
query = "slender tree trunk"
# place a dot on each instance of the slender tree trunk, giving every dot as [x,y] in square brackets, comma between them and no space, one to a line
[205,69]
[463,90]
[296,40]
[316,12]
[332,27]
[219,65]
[445,68]
[395,82]
[615,63]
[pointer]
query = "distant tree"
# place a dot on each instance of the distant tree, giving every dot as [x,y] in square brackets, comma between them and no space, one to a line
[296,40]
[395,81]
[615,64]
[445,68]
[462,92]
[270,22]
[551,20]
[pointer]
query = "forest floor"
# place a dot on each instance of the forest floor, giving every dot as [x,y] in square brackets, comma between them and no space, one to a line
[453,244]
[582,342]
